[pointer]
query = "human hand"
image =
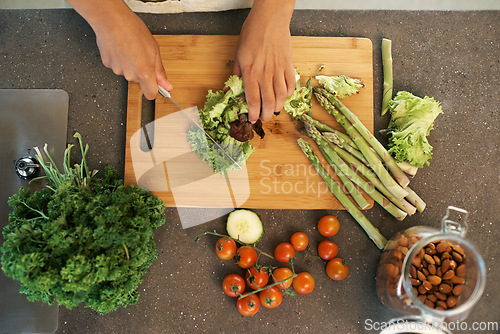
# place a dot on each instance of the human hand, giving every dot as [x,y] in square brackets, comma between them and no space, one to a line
[126,44]
[264,58]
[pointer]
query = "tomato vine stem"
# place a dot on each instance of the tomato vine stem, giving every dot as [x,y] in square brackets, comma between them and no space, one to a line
[267,286]
[198,237]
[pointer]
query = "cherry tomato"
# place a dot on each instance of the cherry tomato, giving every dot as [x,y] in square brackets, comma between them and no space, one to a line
[225,248]
[283,252]
[281,274]
[304,283]
[247,257]
[327,250]
[256,278]
[233,285]
[271,297]
[249,305]
[299,241]
[337,269]
[328,226]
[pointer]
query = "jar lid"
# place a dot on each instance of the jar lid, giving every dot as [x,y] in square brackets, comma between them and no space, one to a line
[415,325]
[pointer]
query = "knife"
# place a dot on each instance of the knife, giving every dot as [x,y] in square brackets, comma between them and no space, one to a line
[165,93]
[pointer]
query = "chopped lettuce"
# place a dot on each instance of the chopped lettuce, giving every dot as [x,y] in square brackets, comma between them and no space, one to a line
[341,86]
[412,119]
[220,109]
[214,157]
[300,102]
[235,84]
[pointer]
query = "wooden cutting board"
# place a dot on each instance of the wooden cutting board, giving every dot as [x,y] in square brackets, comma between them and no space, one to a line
[277,175]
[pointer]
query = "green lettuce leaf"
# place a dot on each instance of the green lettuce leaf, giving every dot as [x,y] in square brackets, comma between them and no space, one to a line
[220,109]
[341,86]
[235,84]
[412,119]
[300,101]
[214,157]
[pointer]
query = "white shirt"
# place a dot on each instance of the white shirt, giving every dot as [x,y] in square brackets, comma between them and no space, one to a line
[181,6]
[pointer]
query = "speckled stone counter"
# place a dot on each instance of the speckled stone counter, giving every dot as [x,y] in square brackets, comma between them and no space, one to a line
[452,56]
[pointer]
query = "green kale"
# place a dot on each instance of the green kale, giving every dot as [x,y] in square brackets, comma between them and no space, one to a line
[81,239]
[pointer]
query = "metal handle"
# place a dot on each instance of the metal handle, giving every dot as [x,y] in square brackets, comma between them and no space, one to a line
[163,92]
[452,226]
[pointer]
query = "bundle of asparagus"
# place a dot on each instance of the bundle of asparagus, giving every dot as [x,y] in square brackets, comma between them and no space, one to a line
[393,185]
[353,152]
[374,234]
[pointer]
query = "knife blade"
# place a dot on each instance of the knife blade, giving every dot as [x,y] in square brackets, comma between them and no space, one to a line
[165,93]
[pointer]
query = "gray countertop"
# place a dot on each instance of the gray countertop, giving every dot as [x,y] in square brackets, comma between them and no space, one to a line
[452,56]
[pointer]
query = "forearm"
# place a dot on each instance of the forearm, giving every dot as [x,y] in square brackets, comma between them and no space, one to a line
[279,11]
[125,43]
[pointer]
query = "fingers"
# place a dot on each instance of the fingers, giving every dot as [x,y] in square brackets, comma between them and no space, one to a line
[236,68]
[149,82]
[268,99]
[149,86]
[280,89]
[290,80]
[252,95]
[266,96]
[161,76]
[141,64]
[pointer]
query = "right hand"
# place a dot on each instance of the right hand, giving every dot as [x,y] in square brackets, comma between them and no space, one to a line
[125,43]
[129,49]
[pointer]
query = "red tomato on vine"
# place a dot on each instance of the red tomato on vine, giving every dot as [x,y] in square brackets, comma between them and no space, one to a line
[225,248]
[246,256]
[256,278]
[337,269]
[249,305]
[271,297]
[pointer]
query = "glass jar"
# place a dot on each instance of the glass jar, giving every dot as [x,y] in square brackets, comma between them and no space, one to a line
[436,276]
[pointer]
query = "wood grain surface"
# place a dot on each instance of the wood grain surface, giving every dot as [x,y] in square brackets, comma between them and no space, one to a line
[277,174]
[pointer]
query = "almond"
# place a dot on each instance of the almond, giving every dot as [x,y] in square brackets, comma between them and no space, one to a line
[460,270]
[457,289]
[434,280]
[448,275]
[445,288]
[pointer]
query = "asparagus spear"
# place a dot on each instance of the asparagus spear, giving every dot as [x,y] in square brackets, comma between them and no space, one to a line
[333,138]
[398,174]
[387,68]
[415,199]
[351,188]
[373,233]
[353,150]
[408,168]
[370,176]
[325,128]
[371,157]
[343,171]
[346,181]
[338,164]
[358,161]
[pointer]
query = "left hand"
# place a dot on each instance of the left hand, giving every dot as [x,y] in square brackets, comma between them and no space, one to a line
[264,58]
